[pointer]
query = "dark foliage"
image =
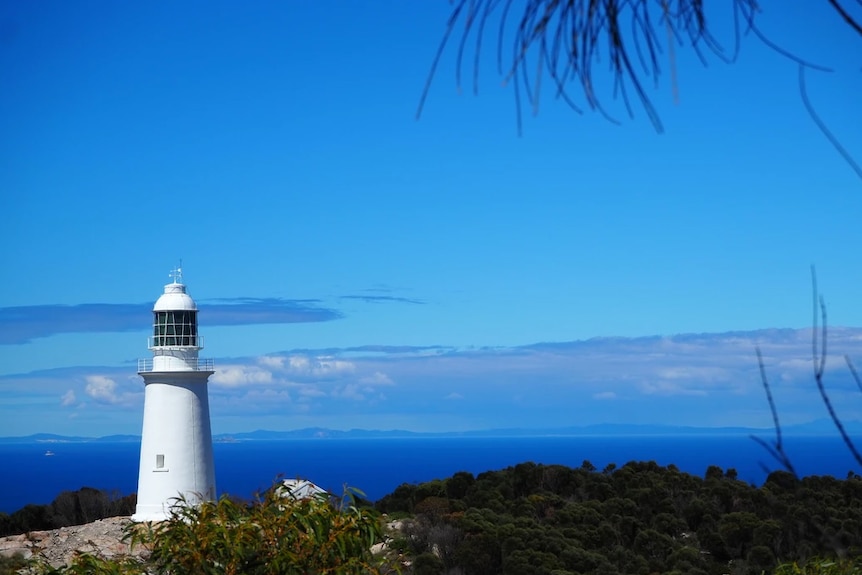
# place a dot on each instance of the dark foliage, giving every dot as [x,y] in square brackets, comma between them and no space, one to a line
[571,43]
[638,518]
[12,565]
[68,508]
[565,48]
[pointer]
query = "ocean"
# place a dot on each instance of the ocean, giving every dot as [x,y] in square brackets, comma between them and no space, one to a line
[378,466]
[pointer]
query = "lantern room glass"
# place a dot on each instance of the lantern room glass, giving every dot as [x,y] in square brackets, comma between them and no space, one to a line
[175,328]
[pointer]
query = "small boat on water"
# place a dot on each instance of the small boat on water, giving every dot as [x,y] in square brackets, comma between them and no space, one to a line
[49,453]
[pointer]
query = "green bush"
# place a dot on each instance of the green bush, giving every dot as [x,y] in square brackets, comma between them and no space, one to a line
[11,565]
[277,535]
[820,566]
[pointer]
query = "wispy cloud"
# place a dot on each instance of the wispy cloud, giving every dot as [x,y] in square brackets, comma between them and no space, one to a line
[382,299]
[376,378]
[320,368]
[352,391]
[296,382]
[241,376]
[247,311]
[69,398]
[397,349]
[22,324]
[103,389]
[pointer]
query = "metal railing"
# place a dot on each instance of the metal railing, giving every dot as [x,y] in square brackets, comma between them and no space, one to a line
[146,365]
[195,341]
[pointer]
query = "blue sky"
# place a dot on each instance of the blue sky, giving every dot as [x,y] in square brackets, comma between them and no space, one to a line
[356,267]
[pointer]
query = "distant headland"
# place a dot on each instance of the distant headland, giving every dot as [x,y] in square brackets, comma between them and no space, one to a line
[819,427]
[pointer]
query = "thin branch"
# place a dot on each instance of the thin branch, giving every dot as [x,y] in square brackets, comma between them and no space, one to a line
[847,18]
[818,352]
[775,449]
[853,372]
[819,359]
[803,91]
[772,45]
[569,36]
[480,33]
[452,19]
[674,81]
[468,25]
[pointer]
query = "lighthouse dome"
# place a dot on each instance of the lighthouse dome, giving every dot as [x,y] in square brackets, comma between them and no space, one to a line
[175,298]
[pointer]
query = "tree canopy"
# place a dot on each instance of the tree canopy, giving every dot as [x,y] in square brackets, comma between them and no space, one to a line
[638,518]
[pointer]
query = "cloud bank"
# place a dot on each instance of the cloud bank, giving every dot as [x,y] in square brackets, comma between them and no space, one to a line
[22,324]
[693,379]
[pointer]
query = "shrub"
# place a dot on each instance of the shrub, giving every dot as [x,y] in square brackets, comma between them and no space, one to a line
[11,565]
[819,566]
[277,535]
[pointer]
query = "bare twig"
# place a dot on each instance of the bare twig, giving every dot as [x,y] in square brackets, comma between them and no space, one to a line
[819,333]
[803,91]
[847,18]
[853,372]
[776,448]
[819,360]
[567,37]
[453,18]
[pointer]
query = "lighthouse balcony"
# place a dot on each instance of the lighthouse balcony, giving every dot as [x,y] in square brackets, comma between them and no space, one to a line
[187,364]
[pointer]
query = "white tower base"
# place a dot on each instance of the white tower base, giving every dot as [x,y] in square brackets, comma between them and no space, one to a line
[176,443]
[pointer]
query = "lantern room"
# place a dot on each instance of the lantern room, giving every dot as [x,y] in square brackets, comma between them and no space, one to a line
[175,318]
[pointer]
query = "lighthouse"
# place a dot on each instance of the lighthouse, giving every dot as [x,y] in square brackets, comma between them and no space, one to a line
[176,441]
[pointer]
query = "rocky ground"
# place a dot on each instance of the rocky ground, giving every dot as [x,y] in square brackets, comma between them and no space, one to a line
[58,546]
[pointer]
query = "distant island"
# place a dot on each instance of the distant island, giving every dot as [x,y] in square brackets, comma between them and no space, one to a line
[819,427]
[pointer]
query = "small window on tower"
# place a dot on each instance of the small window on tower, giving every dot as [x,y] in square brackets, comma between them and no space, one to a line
[160,461]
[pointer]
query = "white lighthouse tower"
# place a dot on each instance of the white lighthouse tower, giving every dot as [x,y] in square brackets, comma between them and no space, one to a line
[176,442]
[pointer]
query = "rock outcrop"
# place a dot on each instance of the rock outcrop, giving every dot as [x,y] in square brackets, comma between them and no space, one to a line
[57,547]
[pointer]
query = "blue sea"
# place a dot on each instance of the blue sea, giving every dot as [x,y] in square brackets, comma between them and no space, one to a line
[378,466]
